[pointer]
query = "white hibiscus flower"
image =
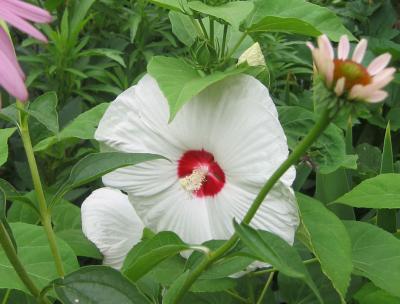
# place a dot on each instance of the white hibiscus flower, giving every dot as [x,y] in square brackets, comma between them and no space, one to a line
[222,146]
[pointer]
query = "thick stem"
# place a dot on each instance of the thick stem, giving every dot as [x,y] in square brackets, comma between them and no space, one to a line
[12,256]
[224,40]
[203,28]
[45,215]
[212,36]
[301,148]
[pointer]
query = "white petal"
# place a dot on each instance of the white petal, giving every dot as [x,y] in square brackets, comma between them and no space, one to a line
[111,223]
[339,88]
[377,96]
[360,50]
[253,56]
[381,79]
[277,214]
[175,210]
[343,48]
[379,63]
[237,121]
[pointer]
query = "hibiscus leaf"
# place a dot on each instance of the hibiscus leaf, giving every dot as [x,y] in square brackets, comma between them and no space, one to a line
[270,248]
[376,255]
[95,165]
[44,109]
[149,253]
[378,192]
[370,294]
[97,284]
[172,292]
[35,254]
[329,240]
[297,17]
[232,12]
[187,81]
[175,5]
[5,134]
[82,127]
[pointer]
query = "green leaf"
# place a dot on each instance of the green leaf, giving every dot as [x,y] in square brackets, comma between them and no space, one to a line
[370,294]
[382,191]
[35,254]
[232,12]
[79,243]
[149,253]
[376,255]
[97,284]
[95,165]
[44,109]
[5,134]
[386,219]
[213,285]
[186,83]
[109,53]
[296,17]
[270,248]
[82,127]
[329,240]
[329,150]
[182,27]
[226,267]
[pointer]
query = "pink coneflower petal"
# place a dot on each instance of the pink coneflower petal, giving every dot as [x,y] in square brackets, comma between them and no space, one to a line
[377,96]
[10,78]
[383,78]
[378,64]
[343,48]
[339,87]
[360,50]
[8,50]
[21,24]
[310,45]
[27,11]
[325,46]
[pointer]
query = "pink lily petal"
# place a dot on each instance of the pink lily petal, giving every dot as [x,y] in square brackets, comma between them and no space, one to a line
[10,79]
[325,46]
[8,50]
[360,50]
[377,96]
[21,24]
[379,63]
[28,11]
[343,48]
[383,78]
[339,87]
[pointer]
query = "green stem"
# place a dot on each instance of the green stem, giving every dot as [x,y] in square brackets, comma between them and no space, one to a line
[236,296]
[6,297]
[301,148]
[12,256]
[197,27]
[45,215]
[203,28]
[235,47]
[265,289]
[224,40]
[212,36]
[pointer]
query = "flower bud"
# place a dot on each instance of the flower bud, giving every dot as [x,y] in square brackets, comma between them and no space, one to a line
[253,56]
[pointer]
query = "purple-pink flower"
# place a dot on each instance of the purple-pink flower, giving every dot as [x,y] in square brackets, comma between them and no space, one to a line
[18,14]
[347,75]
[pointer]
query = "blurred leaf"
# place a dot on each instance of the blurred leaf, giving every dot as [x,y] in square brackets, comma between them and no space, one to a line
[382,191]
[232,12]
[110,53]
[148,253]
[44,109]
[329,240]
[97,284]
[270,248]
[176,5]
[34,253]
[5,134]
[376,255]
[296,17]
[370,294]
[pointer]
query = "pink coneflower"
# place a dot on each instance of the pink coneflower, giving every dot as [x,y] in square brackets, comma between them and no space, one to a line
[349,76]
[17,13]
[11,75]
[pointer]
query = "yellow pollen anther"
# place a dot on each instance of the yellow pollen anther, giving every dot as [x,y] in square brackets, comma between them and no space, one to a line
[194,181]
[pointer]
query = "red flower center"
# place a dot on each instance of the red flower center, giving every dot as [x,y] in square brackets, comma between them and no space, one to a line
[353,72]
[200,173]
